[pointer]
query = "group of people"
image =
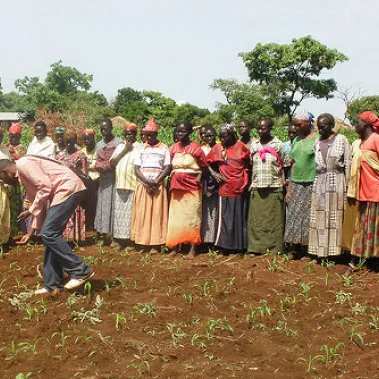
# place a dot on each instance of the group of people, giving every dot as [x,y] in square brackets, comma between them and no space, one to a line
[314,194]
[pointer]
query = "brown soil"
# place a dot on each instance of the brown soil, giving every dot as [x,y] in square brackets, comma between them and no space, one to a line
[166,317]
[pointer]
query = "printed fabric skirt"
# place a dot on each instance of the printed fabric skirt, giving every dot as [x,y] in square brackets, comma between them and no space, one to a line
[5,215]
[298,214]
[105,203]
[232,223]
[16,208]
[149,216]
[76,226]
[209,220]
[365,242]
[184,218]
[352,208]
[122,213]
[266,220]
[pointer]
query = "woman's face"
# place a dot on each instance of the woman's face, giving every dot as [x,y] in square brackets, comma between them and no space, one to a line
[264,130]
[360,126]
[302,126]
[226,137]
[208,137]
[71,144]
[325,129]
[60,138]
[88,140]
[14,139]
[151,138]
[130,136]
[182,133]
[40,132]
[106,130]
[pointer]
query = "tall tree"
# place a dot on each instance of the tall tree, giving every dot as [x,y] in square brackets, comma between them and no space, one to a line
[292,71]
[366,103]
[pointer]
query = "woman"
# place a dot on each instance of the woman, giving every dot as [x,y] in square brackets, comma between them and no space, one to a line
[5,221]
[266,208]
[333,159]
[41,144]
[77,161]
[126,181]
[299,192]
[184,220]
[17,150]
[231,160]
[210,199]
[106,193]
[150,207]
[89,150]
[364,186]
[60,139]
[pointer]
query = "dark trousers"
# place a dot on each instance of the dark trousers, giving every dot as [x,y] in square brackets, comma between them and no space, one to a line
[59,257]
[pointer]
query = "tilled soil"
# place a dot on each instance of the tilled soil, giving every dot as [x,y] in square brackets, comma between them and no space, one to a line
[212,317]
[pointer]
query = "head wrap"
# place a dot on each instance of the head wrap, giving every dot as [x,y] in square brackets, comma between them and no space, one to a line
[89,131]
[15,129]
[151,126]
[306,116]
[60,130]
[371,118]
[131,126]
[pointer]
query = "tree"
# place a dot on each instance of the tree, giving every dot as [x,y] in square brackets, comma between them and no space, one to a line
[367,103]
[243,100]
[67,80]
[291,72]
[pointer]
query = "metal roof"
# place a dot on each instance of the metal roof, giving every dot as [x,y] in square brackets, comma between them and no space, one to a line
[10,116]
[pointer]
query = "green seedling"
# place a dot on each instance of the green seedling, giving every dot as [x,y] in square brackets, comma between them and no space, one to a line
[188,298]
[310,361]
[348,281]
[272,265]
[355,337]
[176,333]
[62,337]
[120,318]
[342,297]
[220,324]
[143,308]
[374,324]
[262,310]
[331,355]
[21,375]
[88,288]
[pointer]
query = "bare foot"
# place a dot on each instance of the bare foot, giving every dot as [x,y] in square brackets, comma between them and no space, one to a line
[173,253]
[154,251]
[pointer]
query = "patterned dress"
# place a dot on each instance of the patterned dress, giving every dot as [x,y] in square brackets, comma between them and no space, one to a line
[75,228]
[329,196]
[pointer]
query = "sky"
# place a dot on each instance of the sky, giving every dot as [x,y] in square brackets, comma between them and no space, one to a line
[178,47]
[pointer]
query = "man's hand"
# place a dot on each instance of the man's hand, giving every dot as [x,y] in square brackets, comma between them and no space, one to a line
[24,240]
[24,215]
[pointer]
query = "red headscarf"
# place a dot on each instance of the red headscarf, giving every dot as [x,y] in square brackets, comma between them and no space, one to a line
[89,131]
[151,126]
[371,118]
[131,126]
[15,129]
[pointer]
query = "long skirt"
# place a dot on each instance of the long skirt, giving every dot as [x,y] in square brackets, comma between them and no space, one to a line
[232,224]
[122,218]
[149,216]
[266,220]
[298,213]
[352,208]
[105,203]
[326,217]
[184,218]
[76,226]
[209,220]
[365,242]
[5,215]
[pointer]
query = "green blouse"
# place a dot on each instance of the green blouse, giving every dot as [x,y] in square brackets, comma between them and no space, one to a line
[304,164]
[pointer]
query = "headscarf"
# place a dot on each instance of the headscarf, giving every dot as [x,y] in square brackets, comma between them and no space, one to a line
[89,131]
[131,126]
[60,130]
[306,116]
[15,129]
[151,126]
[371,118]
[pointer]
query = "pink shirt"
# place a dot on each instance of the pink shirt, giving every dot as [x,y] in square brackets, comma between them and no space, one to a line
[369,181]
[46,180]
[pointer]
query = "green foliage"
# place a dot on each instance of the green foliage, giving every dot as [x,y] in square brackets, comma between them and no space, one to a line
[291,72]
[243,101]
[367,103]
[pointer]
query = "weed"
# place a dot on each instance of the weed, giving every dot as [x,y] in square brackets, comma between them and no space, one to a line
[107,287]
[188,298]
[21,375]
[197,341]
[348,281]
[326,263]
[361,263]
[305,291]
[93,315]
[308,267]
[272,265]
[358,309]
[121,280]
[90,260]
[142,367]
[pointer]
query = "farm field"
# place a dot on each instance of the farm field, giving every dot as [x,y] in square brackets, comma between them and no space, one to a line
[216,316]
